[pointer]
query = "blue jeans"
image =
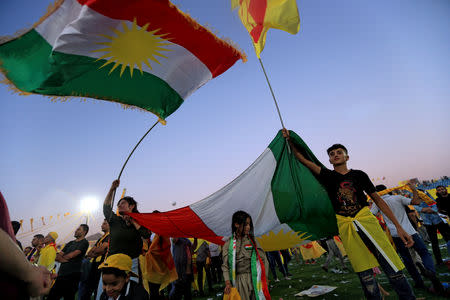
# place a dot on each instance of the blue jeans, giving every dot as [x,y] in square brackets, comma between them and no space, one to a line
[422,250]
[83,285]
[397,279]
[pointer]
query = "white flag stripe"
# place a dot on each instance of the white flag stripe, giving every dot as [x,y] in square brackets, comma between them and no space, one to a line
[243,193]
[76,29]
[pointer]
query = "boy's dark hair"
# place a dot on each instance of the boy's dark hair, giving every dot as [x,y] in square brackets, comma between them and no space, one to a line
[130,201]
[337,146]
[114,271]
[39,236]
[380,187]
[15,226]
[440,186]
[85,228]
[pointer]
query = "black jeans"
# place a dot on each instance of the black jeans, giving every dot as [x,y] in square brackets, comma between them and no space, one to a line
[182,287]
[432,233]
[92,282]
[286,258]
[200,266]
[65,287]
[216,269]
[154,291]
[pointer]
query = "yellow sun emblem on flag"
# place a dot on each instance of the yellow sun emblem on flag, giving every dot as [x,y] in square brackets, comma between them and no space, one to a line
[281,240]
[132,47]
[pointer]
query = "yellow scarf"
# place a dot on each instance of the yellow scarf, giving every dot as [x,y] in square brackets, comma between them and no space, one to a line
[360,257]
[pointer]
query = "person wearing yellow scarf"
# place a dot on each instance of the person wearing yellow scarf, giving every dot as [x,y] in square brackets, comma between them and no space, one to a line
[48,253]
[365,242]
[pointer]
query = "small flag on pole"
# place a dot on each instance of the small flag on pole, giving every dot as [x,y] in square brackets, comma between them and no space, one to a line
[258,16]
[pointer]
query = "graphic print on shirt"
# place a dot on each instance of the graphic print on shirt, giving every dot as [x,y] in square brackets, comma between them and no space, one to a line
[347,199]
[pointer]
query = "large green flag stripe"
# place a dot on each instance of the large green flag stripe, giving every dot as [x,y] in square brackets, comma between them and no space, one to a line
[54,73]
[299,198]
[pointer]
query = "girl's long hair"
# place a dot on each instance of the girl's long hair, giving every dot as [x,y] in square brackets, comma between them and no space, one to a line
[240,217]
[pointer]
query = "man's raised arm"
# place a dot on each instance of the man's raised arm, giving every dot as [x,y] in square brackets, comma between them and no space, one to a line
[107,204]
[307,163]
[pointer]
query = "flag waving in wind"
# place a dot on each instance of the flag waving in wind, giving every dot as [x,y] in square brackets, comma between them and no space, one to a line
[258,16]
[141,53]
[278,192]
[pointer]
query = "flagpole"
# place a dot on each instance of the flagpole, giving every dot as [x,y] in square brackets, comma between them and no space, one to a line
[274,99]
[273,95]
[128,158]
[123,167]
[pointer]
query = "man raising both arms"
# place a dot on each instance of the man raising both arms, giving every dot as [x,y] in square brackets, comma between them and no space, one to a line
[366,244]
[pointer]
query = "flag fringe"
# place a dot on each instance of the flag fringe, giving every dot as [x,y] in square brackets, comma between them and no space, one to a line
[84,98]
[227,42]
[53,98]
[50,10]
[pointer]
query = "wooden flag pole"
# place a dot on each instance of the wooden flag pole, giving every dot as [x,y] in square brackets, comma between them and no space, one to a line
[273,95]
[132,151]
[274,99]
[123,167]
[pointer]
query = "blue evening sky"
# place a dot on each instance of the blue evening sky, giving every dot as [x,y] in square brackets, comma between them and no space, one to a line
[373,75]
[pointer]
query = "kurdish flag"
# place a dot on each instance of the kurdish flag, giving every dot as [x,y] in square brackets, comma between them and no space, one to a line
[258,16]
[142,53]
[276,190]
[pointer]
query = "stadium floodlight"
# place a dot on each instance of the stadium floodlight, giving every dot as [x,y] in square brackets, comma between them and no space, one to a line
[89,204]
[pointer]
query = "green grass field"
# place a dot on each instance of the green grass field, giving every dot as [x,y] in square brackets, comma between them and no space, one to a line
[348,285]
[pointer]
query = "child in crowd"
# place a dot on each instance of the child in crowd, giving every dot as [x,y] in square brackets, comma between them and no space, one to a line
[116,272]
[245,264]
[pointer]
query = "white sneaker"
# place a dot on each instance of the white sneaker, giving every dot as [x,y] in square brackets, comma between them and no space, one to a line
[277,280]
[287,278]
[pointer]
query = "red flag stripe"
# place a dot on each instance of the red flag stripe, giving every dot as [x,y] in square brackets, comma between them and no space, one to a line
[181,29]
[182,222]
[257,9]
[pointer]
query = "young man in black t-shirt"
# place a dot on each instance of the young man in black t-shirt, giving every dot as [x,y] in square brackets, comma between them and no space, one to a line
[366,244]
[70,257]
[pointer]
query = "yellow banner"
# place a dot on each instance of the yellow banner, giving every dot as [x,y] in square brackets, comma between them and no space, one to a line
[258,16]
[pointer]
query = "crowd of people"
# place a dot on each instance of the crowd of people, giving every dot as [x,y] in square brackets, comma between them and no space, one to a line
[130,262]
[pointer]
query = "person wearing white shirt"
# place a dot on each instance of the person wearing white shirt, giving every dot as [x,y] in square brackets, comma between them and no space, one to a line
[397,205]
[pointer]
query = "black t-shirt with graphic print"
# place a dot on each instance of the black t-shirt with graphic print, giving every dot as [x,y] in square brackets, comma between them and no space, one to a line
[346,192]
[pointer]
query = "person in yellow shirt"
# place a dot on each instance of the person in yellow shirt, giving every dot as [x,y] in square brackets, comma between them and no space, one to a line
[48,253]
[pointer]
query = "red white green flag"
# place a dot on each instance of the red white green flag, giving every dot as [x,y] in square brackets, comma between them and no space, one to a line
[277,191]
[142,53]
